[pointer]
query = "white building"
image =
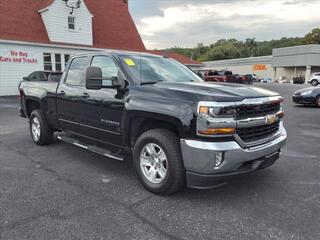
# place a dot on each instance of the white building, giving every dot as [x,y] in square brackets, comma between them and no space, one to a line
[284,63]
[44,34]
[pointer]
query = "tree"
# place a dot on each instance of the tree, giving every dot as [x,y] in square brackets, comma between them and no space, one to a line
[233,48]
[252,45]
[227,51]
[313,37]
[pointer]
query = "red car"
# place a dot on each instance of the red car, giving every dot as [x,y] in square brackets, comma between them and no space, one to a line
[223,76]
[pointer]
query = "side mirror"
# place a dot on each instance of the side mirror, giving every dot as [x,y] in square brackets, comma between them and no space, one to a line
[95,81]
[93,78]
[25,79]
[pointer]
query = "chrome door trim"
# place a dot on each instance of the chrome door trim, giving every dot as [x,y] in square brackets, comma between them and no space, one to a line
[87,126]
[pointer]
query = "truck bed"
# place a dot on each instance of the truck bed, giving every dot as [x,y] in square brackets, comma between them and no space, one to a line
[38,86]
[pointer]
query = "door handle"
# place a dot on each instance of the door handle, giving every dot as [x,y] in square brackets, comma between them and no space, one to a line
[85,95]
[62,93]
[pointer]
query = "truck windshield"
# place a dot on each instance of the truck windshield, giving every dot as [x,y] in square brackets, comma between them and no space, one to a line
[153,69]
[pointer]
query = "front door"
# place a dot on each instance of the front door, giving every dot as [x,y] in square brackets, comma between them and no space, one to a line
[102,110]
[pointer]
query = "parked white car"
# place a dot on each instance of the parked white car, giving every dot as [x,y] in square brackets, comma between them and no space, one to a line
[315,79]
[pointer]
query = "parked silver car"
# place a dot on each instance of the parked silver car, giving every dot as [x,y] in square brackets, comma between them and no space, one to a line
[315,79]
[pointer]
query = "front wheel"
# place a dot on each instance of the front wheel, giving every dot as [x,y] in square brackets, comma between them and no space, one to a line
[40,132]
[158,161]
[314,82]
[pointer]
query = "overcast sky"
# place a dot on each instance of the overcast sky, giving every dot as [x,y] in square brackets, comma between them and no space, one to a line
[168,23]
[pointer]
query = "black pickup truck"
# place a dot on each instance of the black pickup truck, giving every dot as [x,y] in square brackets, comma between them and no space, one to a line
[177,129]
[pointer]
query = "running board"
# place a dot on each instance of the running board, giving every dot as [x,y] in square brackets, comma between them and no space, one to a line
[91,148]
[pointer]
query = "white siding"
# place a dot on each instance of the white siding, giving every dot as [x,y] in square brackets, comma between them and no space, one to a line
[55,18]
[11,73]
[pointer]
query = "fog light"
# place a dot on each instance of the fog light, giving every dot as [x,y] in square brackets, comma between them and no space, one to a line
[219,159]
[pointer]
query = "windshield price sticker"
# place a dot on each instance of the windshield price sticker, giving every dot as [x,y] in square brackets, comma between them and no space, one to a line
[129,62]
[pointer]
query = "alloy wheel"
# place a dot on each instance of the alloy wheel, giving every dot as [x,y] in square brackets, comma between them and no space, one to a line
[153,163]
[35,129]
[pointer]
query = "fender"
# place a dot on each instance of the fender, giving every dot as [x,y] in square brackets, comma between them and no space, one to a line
[46,100]
[178,113]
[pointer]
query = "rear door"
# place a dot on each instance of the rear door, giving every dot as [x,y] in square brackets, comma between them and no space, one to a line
[70,96]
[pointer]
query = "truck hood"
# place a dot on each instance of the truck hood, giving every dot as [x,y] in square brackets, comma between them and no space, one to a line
[217,91]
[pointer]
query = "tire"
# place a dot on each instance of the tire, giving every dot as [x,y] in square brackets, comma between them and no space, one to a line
[314,82]
[168,142]
[318,101]
[40,132]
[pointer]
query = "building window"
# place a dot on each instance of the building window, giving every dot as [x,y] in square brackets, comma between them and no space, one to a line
[47,61]
[66,59]
[58,62]
[71,24]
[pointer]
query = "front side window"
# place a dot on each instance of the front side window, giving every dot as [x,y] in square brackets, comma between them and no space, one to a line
[76,71]
[47,61]
[107,65]
[71,23]
[150,69]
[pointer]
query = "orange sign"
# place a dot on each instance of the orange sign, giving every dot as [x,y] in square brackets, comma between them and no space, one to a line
[259,67]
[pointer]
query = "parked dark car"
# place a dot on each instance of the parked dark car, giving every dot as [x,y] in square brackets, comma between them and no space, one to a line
[252,77]
[299,80]
[307,96]
[177,129]
[244,79]
[43,76]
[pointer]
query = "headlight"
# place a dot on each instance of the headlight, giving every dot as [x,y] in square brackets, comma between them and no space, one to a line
[212,110]
[216,118]
[306,93]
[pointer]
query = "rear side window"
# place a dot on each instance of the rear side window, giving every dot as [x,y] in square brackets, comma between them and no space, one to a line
[54,77]
[75,74]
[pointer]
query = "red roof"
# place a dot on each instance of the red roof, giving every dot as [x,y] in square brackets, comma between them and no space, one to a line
[113,27]
[179,57]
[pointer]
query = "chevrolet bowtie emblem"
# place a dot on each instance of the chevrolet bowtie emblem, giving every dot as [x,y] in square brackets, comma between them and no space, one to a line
[271,119]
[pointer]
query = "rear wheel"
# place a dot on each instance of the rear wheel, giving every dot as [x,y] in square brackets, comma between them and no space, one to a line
[158,161]
[40,132]
[314,82]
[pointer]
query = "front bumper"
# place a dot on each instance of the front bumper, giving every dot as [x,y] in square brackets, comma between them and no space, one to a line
[304,99]
[199,159]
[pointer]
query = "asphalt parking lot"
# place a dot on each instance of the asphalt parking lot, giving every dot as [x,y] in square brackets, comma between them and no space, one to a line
[63,192]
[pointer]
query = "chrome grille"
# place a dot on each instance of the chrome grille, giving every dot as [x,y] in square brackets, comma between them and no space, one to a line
[254,134]
[259,110]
